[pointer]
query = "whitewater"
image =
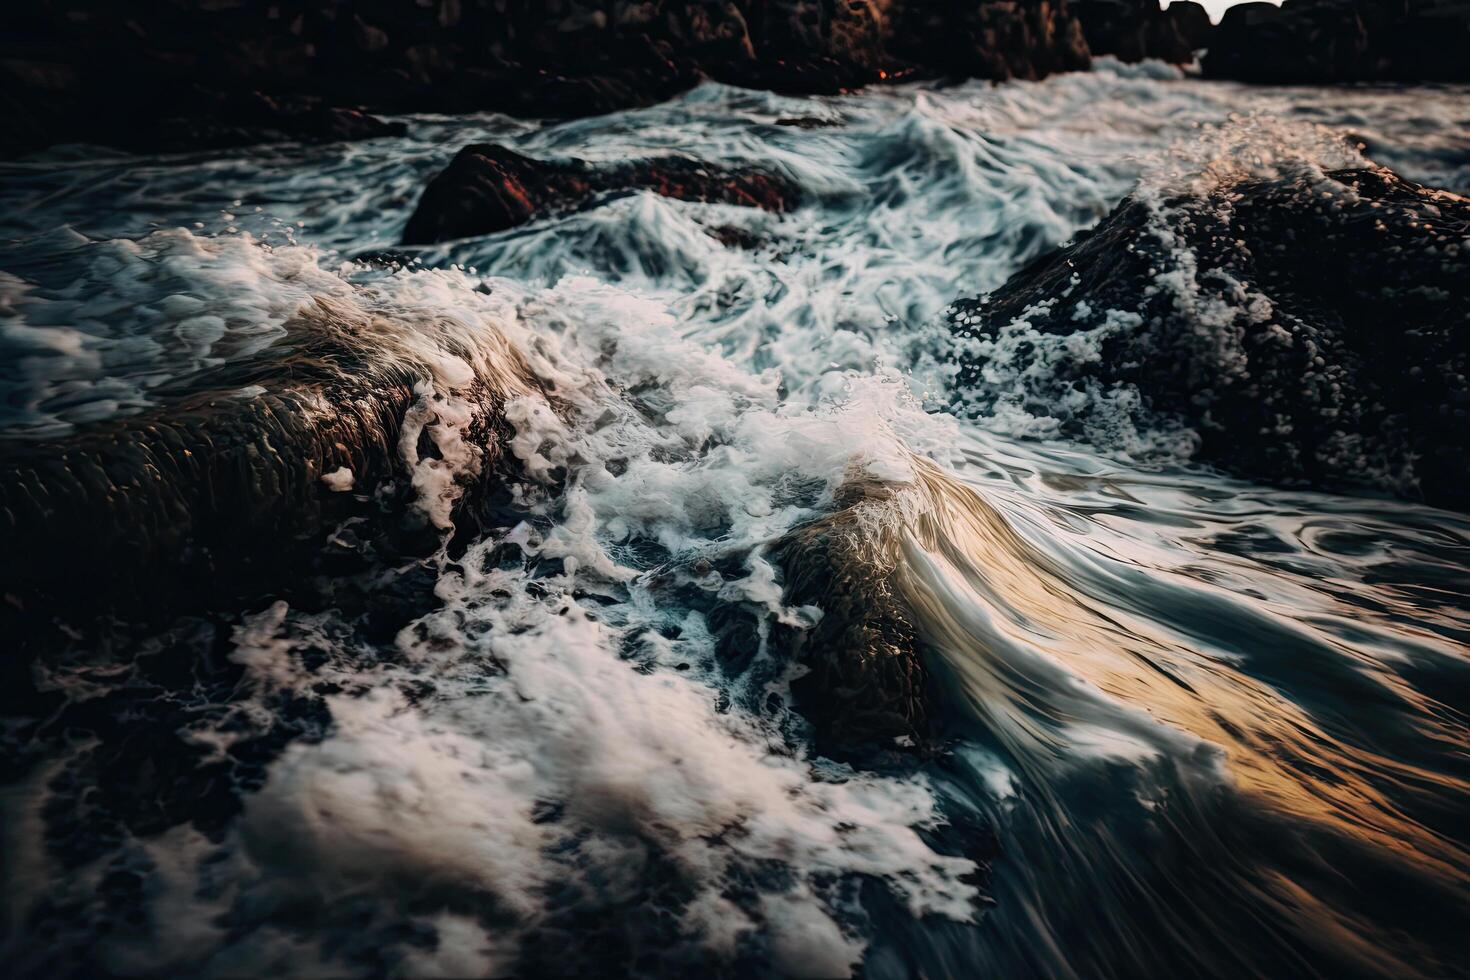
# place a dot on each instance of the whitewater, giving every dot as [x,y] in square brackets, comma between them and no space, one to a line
[1178,722]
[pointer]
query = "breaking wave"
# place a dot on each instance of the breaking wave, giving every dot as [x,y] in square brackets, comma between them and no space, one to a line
[618,593]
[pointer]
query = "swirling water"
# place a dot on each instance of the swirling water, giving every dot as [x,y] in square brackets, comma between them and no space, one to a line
[1212,726]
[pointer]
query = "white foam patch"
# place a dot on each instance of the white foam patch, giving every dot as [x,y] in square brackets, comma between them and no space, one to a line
[108,321]
[635,765]
[339,480]
[536,711]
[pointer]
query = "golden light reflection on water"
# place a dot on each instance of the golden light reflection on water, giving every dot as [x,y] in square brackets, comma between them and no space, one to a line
[1058,674]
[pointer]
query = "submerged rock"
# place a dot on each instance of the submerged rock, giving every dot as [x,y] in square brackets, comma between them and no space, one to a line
[1342,40]
[488,188]
[1312,329]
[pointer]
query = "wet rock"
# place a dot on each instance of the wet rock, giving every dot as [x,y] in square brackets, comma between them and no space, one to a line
[732,237]
[217,493]
[807,122]
[1312,330]
[1339,40]
[488,188]
[866,679]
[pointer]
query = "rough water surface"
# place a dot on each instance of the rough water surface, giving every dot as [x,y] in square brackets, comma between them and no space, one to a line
[1172,722]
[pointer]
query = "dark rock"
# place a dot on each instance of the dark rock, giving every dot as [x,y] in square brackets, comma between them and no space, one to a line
[156,75]
[1132,30]
[1260,42]
[369,39]
[254,117]
[733,237]
[1341,40]
[1434,45]
[1312,330]
[488,188]
[866,681]
[47,103]
[1191,23]
[991,40]
[214,496]
[807,122]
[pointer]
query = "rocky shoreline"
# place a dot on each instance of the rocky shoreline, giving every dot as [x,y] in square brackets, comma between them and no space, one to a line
[213,72]
[203,74]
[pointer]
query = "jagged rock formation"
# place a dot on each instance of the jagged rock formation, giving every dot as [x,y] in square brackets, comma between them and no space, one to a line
[1341,40]
[1132,30]
[488,188]
[214,72]
[1313,329]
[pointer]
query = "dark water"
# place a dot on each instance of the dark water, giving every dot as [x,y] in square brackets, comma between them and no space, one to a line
[1190,724]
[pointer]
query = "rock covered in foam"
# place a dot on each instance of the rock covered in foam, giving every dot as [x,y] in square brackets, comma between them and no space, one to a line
[219,488]
[488,188]
[1310,329]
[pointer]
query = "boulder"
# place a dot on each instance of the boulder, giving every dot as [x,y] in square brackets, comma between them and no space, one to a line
[1308,330]
[229,484]
[488,188]
[866,680]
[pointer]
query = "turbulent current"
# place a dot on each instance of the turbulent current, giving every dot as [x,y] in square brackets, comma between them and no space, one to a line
[601,708]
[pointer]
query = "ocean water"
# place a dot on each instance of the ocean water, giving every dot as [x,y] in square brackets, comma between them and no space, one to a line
[1183,723]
